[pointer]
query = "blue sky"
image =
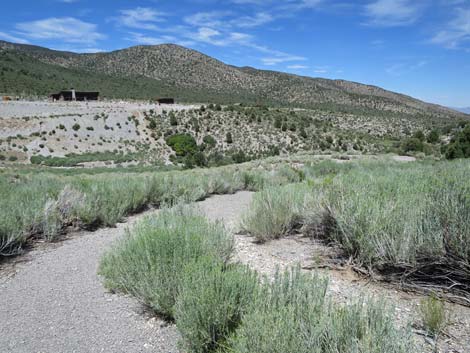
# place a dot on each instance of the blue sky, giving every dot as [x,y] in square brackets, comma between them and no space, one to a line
[420,47]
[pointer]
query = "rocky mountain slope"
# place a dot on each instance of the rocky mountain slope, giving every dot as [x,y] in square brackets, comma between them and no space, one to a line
[193,76]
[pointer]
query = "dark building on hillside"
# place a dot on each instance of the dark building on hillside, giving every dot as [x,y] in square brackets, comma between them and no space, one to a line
[166,100]
[72,95]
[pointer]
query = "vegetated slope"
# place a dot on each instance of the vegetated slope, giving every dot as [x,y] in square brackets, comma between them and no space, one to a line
[182,69]
[28,76]
[207,135]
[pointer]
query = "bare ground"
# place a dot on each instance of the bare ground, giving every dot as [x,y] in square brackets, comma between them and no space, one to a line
[53,300]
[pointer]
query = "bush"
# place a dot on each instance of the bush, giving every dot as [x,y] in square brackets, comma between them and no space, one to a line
[150,263]
[293,314]
[182,144]
[274,212]
[212,302]
[433,136]
[209,141]
[459,146]
[173,120]
[13,158]
[402,215]
[419,135]
[433,315]
[413,145]
[76,127]
[229,138]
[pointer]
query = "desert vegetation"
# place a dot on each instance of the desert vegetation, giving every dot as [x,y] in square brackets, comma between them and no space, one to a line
[42,205]
[178,264]
[407,222]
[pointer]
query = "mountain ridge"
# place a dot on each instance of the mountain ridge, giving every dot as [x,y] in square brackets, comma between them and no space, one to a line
[185,69]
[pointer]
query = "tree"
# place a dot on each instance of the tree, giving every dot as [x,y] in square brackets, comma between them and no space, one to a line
[413,144]
[433,136]
[459,146]
[229,138]
[182,144]
[209,141]
[419,135]
[173,120]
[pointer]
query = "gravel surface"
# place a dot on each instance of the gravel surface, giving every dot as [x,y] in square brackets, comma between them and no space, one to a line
[53,300]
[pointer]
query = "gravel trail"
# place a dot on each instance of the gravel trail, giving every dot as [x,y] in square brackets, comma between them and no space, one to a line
[54,301]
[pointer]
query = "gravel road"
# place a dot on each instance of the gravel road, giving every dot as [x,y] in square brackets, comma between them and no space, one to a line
[54,301]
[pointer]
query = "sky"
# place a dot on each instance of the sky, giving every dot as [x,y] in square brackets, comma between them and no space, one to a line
[416,47]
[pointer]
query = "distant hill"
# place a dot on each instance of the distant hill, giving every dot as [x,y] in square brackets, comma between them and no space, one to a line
[151,71]
[463,110]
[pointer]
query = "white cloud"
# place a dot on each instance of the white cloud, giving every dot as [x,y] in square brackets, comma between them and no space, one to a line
[14,39]
[392,13]
[217,28]
[259,19]
[297,67]
[214,37]
[281,58]
[298,5]
[292,4]
[208,19]
[140,18]
[227,20]
[457,31]
[66,29]
[78,50]
[139,38]
[404,68]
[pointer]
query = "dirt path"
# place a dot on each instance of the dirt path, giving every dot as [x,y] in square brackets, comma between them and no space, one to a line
[54,301]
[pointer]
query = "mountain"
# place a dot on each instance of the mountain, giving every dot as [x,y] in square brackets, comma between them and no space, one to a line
[151,71]
[463,110]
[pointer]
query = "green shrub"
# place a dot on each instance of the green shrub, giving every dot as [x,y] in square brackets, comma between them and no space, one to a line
[293,314]
[433,315]
[211,304]
[150,263]
[209,141]
[173,120]
[182,144]
[459,146]
[76,127]
[229,138]
[419,135]
[402,215]
[413,145]
[275,211]
[13,158]
[433,136]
